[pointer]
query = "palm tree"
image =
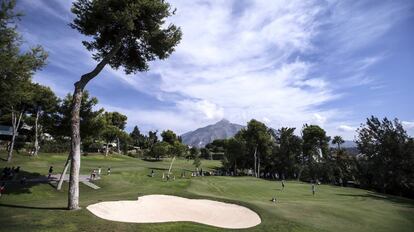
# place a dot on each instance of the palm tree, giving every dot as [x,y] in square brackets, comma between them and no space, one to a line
[338,141]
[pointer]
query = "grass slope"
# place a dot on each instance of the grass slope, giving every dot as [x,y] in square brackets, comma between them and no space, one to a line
[39,207]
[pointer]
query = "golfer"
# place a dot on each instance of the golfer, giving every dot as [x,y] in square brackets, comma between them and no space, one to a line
[313,189]
[50,172]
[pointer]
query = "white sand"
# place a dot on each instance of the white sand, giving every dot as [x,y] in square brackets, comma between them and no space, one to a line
[165,208]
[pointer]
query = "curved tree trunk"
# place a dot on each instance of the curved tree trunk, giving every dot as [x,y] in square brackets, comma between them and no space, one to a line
[62,176]
[10,154]
[75,159]
[15,123]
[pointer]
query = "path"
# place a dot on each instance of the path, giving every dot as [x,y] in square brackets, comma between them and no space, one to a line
[84,179]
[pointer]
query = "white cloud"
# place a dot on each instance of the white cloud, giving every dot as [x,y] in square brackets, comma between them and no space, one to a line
[249,63]
[241,67]
[408,124]
[206,109]
[346,128]
[319,119]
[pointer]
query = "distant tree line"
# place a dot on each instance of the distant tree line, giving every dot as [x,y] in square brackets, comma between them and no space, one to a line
[385,159]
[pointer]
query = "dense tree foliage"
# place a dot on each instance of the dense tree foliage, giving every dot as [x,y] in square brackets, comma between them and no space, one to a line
[286,155]
[16,70]
[387,156]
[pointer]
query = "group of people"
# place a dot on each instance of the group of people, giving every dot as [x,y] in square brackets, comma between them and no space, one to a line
[313,189]
[97,173]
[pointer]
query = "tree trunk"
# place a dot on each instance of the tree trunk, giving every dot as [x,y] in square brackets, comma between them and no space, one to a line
[10,154]
[235,168]
[73,196]
[118,145]
[106,149]
[255,162]
[36,142]
[73,203]
[172,161]
[62,176]
[15,123]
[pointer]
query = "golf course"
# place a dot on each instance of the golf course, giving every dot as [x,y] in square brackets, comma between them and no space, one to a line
[40,207]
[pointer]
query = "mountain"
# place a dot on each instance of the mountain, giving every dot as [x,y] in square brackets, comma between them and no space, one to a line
[347,144]
[205,135]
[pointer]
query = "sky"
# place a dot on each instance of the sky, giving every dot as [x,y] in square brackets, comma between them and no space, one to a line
[283,62]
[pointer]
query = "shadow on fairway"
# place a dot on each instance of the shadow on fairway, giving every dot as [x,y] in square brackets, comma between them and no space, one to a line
[378,196]
[151,160]
[158,169]
[31,207]
[17,186]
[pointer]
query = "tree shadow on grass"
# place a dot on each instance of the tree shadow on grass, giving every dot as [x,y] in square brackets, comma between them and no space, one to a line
[151,160]
[22,182]
[31,207]
[158,169]
[378,196]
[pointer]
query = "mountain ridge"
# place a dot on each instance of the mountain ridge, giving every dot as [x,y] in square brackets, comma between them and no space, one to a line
[200,137]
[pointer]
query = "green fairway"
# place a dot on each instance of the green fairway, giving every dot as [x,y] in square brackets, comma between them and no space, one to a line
[39,207]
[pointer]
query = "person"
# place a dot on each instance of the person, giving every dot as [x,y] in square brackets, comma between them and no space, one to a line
[274,200]
[152,173]
[50,172]
[94,172]
[313,189]
[109,171]
[283,184]
[92,175]
[2,188]
[99,171]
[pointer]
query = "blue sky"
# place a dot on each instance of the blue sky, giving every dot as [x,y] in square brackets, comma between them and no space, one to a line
[284,62]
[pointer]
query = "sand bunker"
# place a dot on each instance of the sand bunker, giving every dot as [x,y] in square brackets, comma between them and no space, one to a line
[165,208]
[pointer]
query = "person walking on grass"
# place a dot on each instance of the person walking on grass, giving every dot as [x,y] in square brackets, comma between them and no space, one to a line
[92,175]
[50,172]
[109,171]
[283,184]
[274,200]
[313,189]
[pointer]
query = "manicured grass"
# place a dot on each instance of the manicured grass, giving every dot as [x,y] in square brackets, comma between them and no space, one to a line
[39,207]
